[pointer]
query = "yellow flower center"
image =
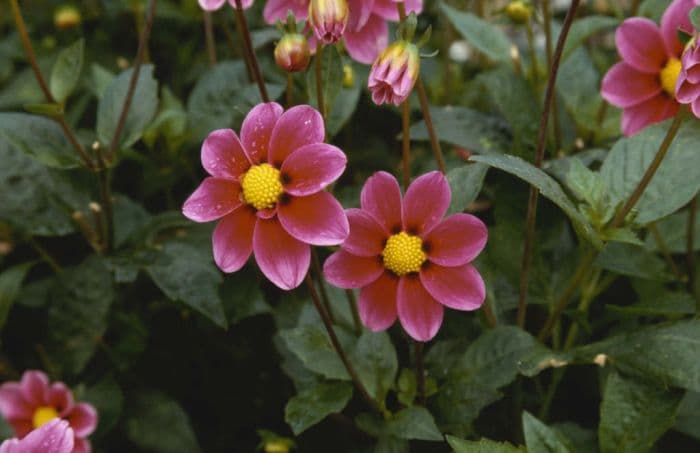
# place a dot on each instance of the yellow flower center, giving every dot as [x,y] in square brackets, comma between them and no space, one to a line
[403,253]
[262,186]
[669,76]
[43,415]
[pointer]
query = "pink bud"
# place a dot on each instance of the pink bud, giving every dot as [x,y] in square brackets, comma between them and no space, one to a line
[292,52]
[688,83]
[328,19]
[394,73]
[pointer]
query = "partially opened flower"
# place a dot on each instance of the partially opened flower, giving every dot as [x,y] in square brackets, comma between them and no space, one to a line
[408,260]
[268,190]
[328,19]
[55,436]
[394,73]
[688,85]
[643,83]
[34,401]
[213,5]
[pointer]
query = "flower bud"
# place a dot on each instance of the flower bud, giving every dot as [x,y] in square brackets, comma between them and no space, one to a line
[67,17]
[394,73]
[328,19]
[518,11]
[687,84]
[292,52]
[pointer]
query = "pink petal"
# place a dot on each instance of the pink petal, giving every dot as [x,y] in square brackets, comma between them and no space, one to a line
[298,126]
[676,17]
[245,4]
[60,397]
[456,240]
[53,437]
[83,419]
[366,236]
[419,313]
[283,259]
[213,199]
[461,287]
[695,107]
[12,404]
[223,155]
[387,8]
[312,168]
[364,44]
[211,5]
[624,86]
[256,130]
[233,239]
[381,197]
[426,202]
[654,110]
[34,385]
[317,219]
[687,92]
[277,10]
[82,446]
[640,45]
[377,305]
[345,270]
[360,11]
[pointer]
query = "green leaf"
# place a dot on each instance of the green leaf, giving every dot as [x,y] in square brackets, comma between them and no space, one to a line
[541,438]
[141,111]
[188,274]
[667,354]
[10,285]
[633,415]
[632,260]
[688,417]
[629,159]
[342,109]
[376,363]
[583,28]
[674,231]
[670,303]
[66,71]
[461,126]
[481,446]
[311,406]
[694,17]
[108,399]
[466,182]
[547,186]
[331,77]
[77,315]
[44,109]
[39,138]
[483,35]
[413,423]
[310,343]
[242,297]
[158,424]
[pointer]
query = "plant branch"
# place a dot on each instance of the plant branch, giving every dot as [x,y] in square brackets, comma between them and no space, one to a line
[352,302]
[209,37]
[547,14]
[420,372]
[245,35]
[318,66]
[406,144]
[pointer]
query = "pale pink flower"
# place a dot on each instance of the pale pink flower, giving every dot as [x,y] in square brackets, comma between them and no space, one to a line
[213,5]
[34,401]
[267,189]
[394,73]
[408,260]
[688,85]
[55,436]
[643,83]
[328,19]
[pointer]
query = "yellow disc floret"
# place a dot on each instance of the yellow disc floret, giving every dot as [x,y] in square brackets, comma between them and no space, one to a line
[262,186]
[43,415]
[669,76]
[403,253]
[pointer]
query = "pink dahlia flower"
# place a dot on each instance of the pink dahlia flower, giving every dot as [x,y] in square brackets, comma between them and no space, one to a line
[688,85]
[643,83]
[267,189]
[367,32]
[407,259]
[55,436]
[33,402]
[213,5]
[394,73]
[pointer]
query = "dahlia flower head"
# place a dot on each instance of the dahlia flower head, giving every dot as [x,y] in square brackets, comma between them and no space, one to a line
[213,5]
[55,436]
[643,84]
[408,261]
[394,73]
[328,19]
[688,85]
[33,402]
[366,33]
[267,190]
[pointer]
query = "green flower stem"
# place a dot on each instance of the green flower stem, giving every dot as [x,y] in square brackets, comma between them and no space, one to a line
[318,275]
[318,66]
[547,14]
[245,36]
[209,37]
[352,302]
[45,255]
[539,158]
[406,144]
[663,248]
[420,372]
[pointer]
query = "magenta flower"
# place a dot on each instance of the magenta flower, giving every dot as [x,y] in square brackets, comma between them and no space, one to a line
[213,5]
[267,189]
[394,73]
[328,19]
[688,85]
[55,436]
[643,83]
[33,402]
[367,32]
[408,260]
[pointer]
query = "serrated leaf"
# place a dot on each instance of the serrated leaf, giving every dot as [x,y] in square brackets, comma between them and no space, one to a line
[376,363]
[10,285]
[547,186]
[632,260]
[633,415]
[543,439]
[481,446]
[413,423]
[142,110]
[66,71]
[688,417]
[39,138]
[481,34]
[313,405]
[331,77]
[310,343]
[674,232]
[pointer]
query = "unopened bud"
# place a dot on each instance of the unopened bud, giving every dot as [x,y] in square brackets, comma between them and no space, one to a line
[394,73]
[518,11]
[292,52]
[67,16]
[328,19]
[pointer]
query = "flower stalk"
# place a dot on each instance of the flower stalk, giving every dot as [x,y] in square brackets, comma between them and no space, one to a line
[209,37]
[244,31]
[318,66]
